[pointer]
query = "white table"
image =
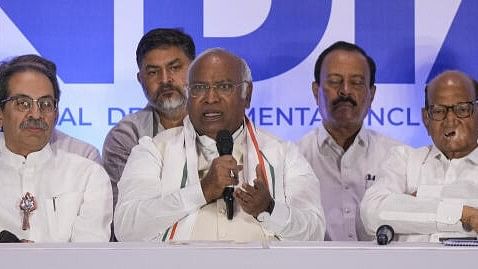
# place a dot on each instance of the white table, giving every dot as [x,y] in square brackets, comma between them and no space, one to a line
[296,255]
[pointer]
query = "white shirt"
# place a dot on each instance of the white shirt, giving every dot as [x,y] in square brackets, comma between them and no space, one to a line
[343,177]
[442,187]
[151,199]
[73,196]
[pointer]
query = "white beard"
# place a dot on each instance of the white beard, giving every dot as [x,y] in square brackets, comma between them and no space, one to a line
[171,105]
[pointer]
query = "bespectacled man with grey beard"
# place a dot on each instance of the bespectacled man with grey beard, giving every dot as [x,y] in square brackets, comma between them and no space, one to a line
[163,57]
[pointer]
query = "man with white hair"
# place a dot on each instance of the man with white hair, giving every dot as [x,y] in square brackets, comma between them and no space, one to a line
[172,185]
[431,193]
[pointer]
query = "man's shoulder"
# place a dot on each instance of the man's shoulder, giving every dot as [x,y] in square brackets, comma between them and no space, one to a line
[169,135]
[68,159]
[309,137]
[129,129]
[139,115]
[60,140]
[137,119]
[268,139]
[410,155]
[382,140]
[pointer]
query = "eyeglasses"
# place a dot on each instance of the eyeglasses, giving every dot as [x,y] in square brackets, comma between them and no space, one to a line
[221,88]
[461,110]
[24,103]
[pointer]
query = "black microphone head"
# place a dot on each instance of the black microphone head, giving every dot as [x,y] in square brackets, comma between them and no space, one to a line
[385,234]
[224,142]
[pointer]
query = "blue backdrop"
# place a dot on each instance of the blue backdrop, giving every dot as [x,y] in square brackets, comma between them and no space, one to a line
[94,42]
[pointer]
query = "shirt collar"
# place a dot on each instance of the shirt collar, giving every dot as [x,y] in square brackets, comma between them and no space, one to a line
[324,138]
[435,153]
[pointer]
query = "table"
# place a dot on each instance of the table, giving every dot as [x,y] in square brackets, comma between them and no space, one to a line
[227,255]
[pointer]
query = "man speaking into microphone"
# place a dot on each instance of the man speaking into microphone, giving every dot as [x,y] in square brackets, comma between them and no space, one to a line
[173,185]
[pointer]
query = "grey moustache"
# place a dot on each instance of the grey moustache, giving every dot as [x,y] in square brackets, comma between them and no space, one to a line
[34,123]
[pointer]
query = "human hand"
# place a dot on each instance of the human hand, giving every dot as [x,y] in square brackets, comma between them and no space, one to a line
[469,218]
[254,199]
[219,176]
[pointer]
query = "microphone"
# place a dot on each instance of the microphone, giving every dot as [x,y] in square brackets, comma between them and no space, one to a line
[384,234]
[224,144]
[8,237]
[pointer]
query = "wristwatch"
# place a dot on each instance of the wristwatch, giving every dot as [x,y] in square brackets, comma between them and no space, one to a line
[267,213]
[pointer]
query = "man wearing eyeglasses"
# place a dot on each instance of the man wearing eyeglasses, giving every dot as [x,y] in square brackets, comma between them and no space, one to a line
[431,193]
[59,139]
[172,185]
[46,195]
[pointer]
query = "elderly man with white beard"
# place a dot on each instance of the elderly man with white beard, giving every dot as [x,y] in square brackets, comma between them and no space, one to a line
[163,57]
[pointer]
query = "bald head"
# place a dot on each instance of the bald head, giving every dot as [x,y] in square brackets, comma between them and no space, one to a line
[451,78]
[220,55]
[450,114]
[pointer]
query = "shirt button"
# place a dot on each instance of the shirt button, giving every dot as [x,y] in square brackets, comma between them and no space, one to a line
[222,211]
[346,187]
[351,236]
[222,235]
[347,210]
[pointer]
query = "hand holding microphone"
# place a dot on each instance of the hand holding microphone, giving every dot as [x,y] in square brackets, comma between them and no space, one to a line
[222,174]
[225,144]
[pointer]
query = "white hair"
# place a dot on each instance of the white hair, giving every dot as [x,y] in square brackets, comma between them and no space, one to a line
[245,70]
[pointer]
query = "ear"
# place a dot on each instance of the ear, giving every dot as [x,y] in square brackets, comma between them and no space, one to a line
[57,116]
[315,92]
[248,94]
[372,92]
[138,77]
[426,119]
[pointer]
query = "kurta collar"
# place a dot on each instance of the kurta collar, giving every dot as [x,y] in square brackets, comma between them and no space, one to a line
[16,160]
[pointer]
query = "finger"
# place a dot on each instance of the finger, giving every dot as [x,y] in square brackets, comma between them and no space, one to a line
[259,185]
[227,160]
[242,197]
[248,188]
[245,195]
[259,173]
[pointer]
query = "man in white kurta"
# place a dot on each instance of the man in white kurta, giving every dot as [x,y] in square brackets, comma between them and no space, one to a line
[432,192]
[47,195]
[165,190]
[73,195]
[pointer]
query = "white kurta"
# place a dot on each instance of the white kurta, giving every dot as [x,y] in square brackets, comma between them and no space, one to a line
[344,177]
[151,200]
[442,187]
[73,195]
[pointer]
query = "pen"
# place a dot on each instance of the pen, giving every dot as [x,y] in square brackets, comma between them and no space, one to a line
[54,203]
